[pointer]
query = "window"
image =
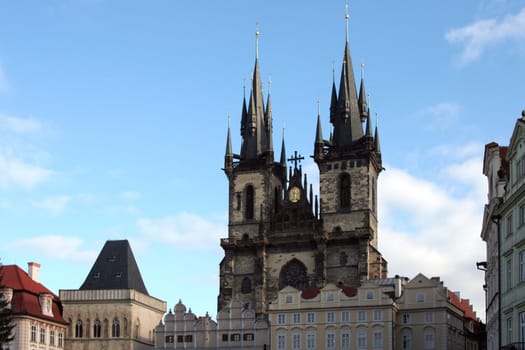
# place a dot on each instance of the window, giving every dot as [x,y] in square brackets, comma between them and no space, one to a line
[378,315]
[344,190]
[281,319]
[224,336]
[247,337]
[361,316]
[378,339]
[170,339]
[406,340]
[330,340]
[330,296]
[33,334]
[188,338]
[362,339]
[428,336]
[281,341]
[246,285]
[96,329]
[510,227]
[406,318]
[520,168]
[522,327]
[248,214]
[235,337]
[289,299]
[42,335]
[429,317]
[52,337]
[345,340]
[310,317]
[420,297]
[509,330]
[296,318]
[115,328]
[508,268]
[345,316]
[296,341]
[370,295]
[522,265]
[522,215]
[78,329]
[60,339]
[180,339]
[330,317]
[311,340]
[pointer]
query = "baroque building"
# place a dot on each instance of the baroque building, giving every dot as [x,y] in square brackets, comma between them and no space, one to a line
[279,234]
[495,169]
[112,308]
[511,226]
[37,312]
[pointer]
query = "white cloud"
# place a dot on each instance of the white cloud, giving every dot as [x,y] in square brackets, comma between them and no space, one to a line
[425,227]
[54,205]
[56,247]
[483,34]
[440,116]
[19,125]
[185,230]
[17,173]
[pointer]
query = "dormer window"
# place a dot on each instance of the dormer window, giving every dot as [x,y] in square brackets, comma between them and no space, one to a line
[46,304]
[118,274]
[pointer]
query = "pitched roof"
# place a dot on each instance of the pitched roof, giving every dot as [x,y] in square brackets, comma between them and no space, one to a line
[115,268]
[462,304]
[26,292]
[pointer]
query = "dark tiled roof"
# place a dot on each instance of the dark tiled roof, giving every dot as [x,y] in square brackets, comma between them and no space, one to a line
[310,293]
[115,268]
[26,292]
[349,291]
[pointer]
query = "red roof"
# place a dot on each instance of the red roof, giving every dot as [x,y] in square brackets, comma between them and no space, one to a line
[26,292]
[462,304]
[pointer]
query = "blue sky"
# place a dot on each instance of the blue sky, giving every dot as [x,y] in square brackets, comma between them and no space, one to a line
[113,118]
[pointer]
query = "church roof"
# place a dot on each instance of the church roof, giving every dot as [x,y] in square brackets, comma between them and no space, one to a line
[115,268]
[26,292]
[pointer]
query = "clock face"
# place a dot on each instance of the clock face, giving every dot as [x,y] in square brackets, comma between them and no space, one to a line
[294,194]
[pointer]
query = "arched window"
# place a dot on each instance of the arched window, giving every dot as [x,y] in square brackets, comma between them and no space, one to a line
[293,274]
[429,337]
[115,328]
[78,329]
[246,286]
[250,194]
[96,328]
[406,339]
[344,190]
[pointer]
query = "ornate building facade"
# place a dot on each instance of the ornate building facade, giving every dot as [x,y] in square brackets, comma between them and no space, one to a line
[112,309]
[279,234]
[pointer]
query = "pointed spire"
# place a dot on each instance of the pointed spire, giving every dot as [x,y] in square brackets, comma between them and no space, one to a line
[333,103]
[229,151]
[376,138]
[319,143]
[269,126]
[368,126]
[363,107]
[283,153]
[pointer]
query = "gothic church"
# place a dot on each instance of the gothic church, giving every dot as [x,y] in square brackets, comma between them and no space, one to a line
[279,234]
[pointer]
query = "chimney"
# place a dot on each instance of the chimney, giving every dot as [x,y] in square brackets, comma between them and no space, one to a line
[33,270]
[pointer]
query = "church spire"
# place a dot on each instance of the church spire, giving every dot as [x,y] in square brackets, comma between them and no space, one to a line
[363,107]
[228,157]
[269,121]
[376,139]
[256,136]
[347,119]
[319,143]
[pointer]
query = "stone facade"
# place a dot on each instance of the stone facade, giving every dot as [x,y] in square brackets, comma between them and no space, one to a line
[494,166]
[511,213]
[236,328]
[393,313]
[110,319]
[279,234]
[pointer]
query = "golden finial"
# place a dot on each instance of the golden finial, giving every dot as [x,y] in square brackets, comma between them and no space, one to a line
[347,16]
[362,70]
[229,120]
[318,107]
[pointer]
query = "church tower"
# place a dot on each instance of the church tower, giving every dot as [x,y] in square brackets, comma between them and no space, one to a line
[279,233]
[349,164]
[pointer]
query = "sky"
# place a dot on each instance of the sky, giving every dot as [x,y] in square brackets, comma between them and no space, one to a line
[113,121]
